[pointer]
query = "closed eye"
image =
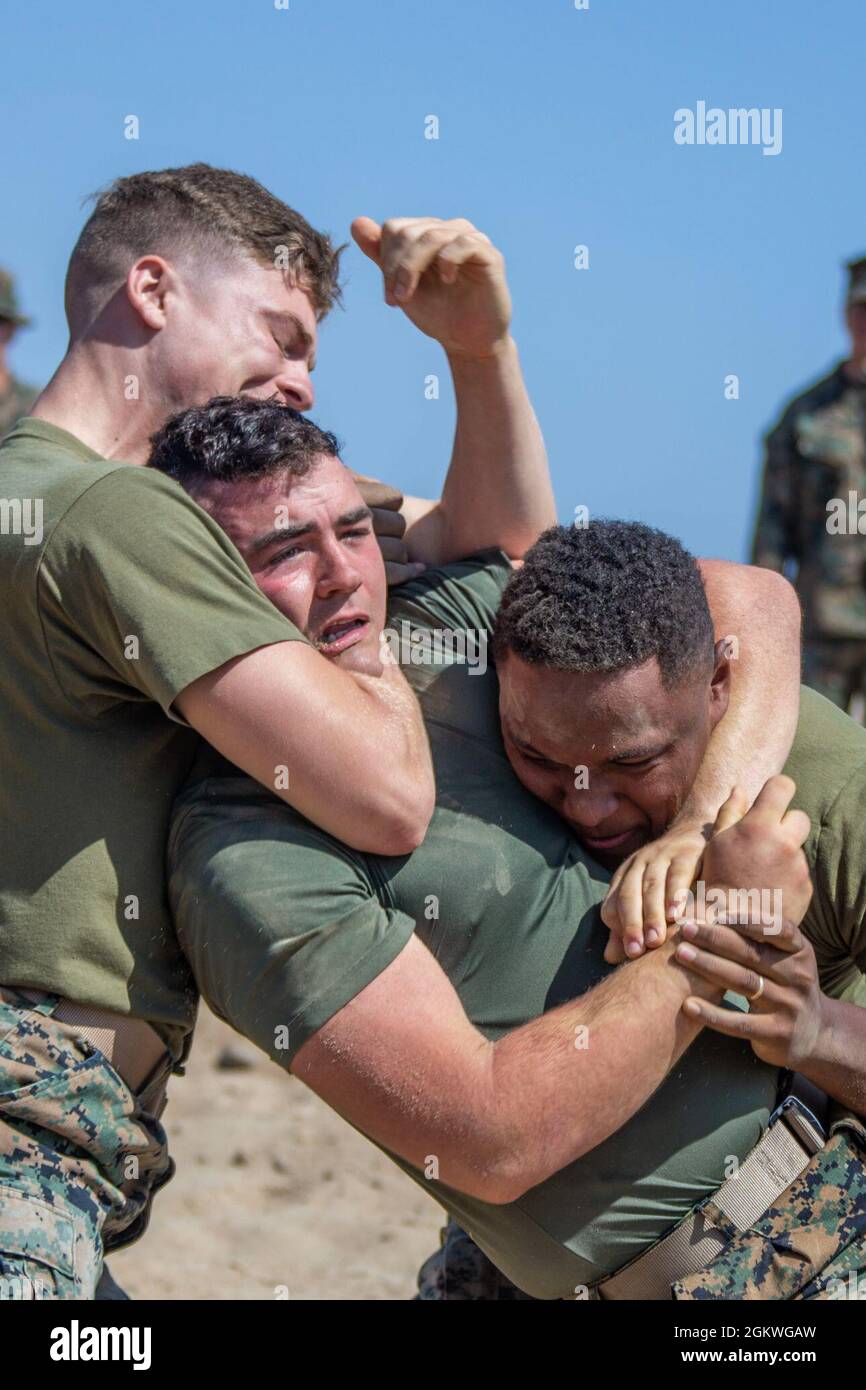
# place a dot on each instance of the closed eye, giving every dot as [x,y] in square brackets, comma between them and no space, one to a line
[539,762]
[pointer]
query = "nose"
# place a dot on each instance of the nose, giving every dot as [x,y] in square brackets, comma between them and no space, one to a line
[296,387]
[589,807]
[337,573]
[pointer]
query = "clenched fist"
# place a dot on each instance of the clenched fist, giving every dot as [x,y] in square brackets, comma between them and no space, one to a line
[446,276]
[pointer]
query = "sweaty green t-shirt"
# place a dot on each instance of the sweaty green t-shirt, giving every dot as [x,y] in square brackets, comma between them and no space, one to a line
[118,593]
[284,925]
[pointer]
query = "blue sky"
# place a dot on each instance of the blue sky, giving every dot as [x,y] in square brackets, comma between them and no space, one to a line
[555,129]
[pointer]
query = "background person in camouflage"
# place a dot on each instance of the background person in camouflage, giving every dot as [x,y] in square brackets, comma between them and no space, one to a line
[16,397]
[815,454]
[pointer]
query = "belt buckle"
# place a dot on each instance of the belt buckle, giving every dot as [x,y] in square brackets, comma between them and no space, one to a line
[803,1121]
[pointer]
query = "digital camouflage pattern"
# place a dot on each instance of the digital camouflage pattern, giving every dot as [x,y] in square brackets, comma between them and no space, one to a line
[15,401]
[811,1244]
[80,1156]
[460,1272]
[817,454]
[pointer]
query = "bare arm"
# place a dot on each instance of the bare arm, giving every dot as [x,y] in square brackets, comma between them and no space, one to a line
[349,751]
[404,1064]
[498,489]
[450,282]
[760,611]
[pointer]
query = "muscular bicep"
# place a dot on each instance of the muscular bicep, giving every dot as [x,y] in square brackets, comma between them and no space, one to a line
[312,733]
[405,1065]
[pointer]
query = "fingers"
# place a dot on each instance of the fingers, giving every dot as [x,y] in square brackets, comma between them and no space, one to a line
[368,235]
[613,952]
[772,800]
[397,573]
[746,942]
[410,246]
[473,246]
[654,889]
[732,810]
[378,494]
[610,906]
[630,909]
[797,825]
[394,551]
[388,523]
[681,875]
[727,974]
[732,1022]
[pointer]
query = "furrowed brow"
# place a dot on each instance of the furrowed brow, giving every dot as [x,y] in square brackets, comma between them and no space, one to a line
[282,533]
[352,518]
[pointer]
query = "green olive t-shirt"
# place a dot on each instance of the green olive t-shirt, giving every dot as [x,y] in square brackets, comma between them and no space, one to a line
[117,593]
[284,925]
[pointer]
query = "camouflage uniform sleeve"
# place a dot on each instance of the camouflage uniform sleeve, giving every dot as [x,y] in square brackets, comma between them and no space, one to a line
[775,539]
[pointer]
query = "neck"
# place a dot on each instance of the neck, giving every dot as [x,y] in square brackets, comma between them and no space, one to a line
[89,396]
[5,374]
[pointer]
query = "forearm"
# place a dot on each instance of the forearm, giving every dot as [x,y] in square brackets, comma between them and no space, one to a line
[837,1062]
[498,490]
[565,1082]
[348,751]
[759,610]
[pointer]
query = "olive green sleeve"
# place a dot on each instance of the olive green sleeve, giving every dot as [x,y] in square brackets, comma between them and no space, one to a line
[836,920]
[464,594]
[279,921]
[141,593]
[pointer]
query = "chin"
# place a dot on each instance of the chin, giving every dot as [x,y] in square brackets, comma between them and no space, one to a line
[361,659]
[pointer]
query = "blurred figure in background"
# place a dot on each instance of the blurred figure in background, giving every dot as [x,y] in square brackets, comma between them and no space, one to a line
[811,520]
[16,397]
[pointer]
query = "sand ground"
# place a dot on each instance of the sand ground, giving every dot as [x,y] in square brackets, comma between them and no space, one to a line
[273,1191]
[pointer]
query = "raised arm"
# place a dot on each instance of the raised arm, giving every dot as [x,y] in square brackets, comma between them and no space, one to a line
[760,614]
[349,751]
[450,281]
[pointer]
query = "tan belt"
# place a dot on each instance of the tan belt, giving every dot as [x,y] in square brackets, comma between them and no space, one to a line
[133,1048]
[794,1134]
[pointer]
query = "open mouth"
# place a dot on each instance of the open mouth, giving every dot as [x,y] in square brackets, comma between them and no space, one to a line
[342,633]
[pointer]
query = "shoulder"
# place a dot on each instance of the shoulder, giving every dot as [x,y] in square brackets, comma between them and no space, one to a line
[220,810]
[466,592]
[138,511]
[819,394]
[827,760]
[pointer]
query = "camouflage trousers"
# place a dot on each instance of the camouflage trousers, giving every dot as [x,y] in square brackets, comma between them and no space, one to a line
[80,1157]
[837,670]
[459,1271]
[811,1244]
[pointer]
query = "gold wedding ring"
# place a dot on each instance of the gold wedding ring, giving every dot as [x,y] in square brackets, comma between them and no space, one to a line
[758,992]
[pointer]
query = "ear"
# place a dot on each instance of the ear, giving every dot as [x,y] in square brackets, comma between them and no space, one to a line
[720,682]
[147,286]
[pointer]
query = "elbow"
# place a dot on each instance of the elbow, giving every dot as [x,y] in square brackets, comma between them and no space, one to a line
[402,827]
[505,1172]
[777,591]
